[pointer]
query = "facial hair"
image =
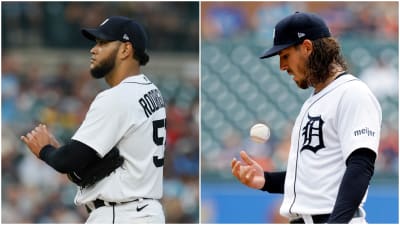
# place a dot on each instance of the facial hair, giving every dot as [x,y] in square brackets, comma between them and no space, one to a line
[304,82]
[104,66]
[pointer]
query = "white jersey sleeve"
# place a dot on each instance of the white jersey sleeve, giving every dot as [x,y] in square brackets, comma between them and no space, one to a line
[359,119]
[106,122]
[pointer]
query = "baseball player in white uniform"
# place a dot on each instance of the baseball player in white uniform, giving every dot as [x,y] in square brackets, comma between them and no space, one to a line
[335,137]
[129,117]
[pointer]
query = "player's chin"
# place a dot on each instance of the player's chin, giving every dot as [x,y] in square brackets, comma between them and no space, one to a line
[97,72]
[302,84]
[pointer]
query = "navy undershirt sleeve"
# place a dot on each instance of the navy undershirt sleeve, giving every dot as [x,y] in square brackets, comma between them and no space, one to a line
[360,168]
[274,182]
[73,156]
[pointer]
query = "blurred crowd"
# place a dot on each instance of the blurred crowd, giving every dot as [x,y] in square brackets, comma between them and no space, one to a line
[55,24]
[32,192]
[235,19]
[59,95]
[363,27]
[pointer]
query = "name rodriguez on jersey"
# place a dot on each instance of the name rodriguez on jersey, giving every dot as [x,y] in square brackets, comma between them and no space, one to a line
[151,102]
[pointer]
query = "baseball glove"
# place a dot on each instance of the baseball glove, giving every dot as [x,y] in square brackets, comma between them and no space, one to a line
[98,170]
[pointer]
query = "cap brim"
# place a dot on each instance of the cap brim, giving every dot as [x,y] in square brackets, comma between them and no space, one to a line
[94,33]
[274,50]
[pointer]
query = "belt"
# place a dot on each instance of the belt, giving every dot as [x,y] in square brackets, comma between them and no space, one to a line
[100,203]
[322,218]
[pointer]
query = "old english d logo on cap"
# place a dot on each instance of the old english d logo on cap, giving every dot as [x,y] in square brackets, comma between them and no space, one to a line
[105,21]
[119,28]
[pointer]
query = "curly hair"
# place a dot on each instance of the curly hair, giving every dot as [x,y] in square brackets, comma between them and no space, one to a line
[324,60]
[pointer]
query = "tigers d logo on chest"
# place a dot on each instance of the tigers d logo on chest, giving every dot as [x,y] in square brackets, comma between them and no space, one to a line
[312,134]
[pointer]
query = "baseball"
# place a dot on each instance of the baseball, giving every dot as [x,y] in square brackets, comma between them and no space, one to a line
[259,133]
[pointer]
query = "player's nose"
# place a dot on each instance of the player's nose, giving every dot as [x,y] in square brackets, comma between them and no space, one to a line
[93,50]
[282,66]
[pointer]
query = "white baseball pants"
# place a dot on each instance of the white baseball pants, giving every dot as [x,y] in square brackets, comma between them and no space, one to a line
[143,211]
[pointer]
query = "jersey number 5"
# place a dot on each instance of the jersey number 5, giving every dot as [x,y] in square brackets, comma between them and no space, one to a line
[158,124]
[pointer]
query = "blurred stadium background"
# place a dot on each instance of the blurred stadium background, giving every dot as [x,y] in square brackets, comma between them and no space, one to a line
[45,78]
[238,90]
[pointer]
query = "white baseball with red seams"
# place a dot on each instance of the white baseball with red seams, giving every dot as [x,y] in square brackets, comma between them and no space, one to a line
[260,133]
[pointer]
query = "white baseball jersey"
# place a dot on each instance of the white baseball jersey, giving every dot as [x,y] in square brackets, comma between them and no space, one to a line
[341,118]
[130,116]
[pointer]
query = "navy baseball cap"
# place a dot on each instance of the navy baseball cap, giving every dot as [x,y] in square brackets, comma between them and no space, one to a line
[119,28]
[294,29]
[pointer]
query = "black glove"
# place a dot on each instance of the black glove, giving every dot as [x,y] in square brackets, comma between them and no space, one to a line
[98,170]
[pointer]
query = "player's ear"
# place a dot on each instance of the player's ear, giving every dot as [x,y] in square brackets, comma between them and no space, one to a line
[126,50]
[307,46]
